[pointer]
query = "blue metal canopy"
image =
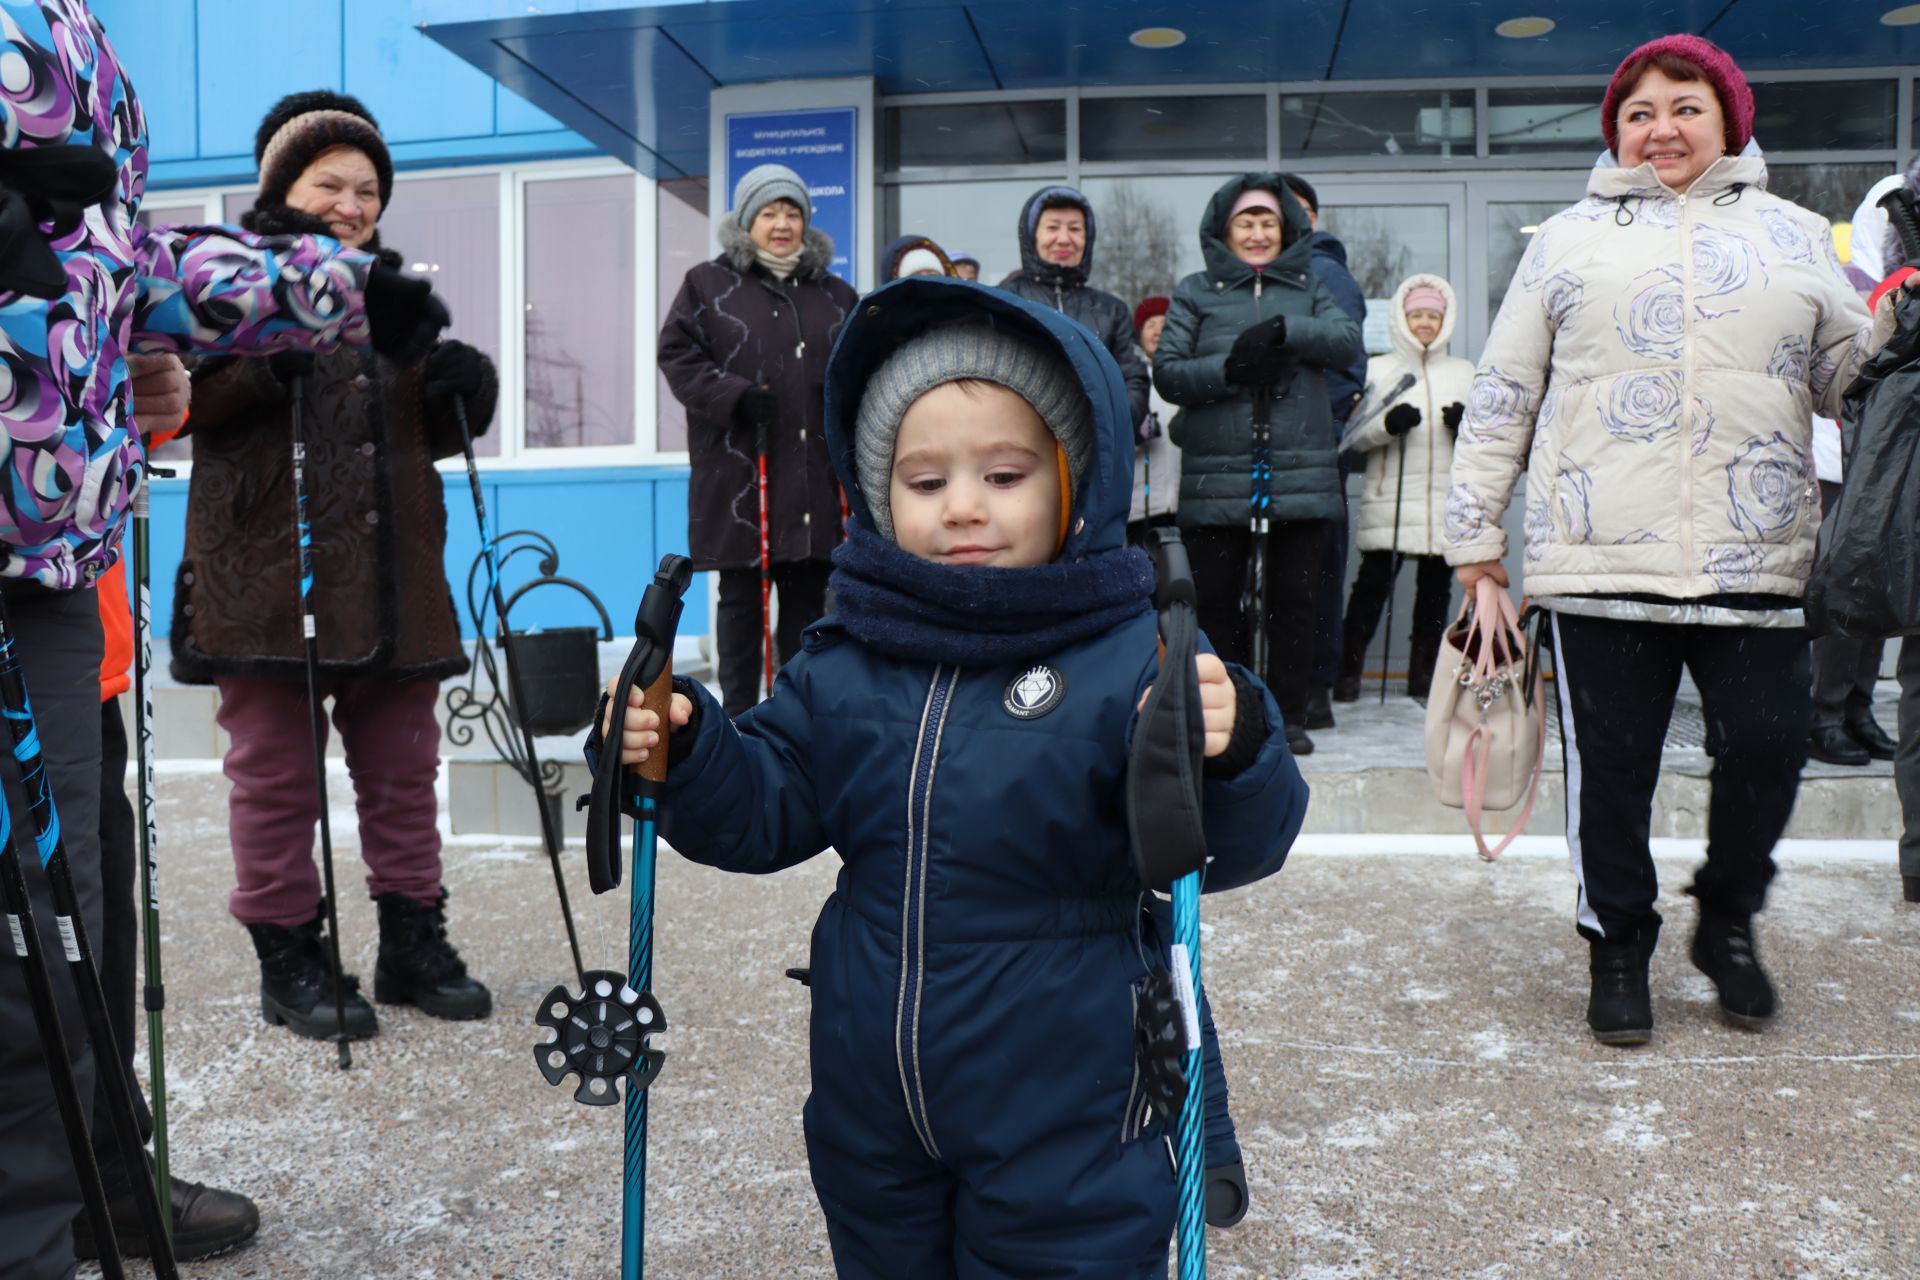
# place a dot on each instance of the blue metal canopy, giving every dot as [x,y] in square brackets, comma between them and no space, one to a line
[635,78]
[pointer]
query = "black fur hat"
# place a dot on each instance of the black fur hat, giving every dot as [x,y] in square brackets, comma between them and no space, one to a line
[301,126]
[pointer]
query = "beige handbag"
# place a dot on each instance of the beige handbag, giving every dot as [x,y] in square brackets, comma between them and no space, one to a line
[1486,718]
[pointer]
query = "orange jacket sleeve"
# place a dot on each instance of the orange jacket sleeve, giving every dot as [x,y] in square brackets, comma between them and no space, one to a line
[116,614]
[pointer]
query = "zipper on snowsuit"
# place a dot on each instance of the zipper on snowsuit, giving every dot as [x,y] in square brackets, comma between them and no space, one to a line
[913,901]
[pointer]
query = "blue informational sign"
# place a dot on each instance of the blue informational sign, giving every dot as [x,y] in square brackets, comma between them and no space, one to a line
[820,147]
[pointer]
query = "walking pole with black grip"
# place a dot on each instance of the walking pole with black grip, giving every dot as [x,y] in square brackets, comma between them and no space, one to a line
[154,995]
[110,1066]
[1164,819]
[26,935]
[316,711]
[761,432]
[1253,598]
[1903,214]
[550,834]
[603,1034]
[1393,573]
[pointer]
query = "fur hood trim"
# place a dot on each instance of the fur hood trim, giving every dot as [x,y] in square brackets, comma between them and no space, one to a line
[737,247]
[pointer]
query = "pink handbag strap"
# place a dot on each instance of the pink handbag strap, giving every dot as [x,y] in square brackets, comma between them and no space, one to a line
[1473,770]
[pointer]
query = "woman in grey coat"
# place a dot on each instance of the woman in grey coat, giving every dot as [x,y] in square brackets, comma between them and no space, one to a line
[1256,329]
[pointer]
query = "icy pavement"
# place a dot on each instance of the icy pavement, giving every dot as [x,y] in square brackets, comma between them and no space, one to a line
[1412,1078]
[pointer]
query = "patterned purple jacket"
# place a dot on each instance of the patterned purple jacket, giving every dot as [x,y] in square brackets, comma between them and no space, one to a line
[71,454]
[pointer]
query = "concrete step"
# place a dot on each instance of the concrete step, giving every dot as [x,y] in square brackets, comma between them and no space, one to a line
[1369,775]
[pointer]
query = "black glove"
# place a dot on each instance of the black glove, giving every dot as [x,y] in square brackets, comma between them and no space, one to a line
[1401,419]
[289,365]
[756,407]
[1451,416]
[1259,357]
[1150,427]
[456,369]
[405,317]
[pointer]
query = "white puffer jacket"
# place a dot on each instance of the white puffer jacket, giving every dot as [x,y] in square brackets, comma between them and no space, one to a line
[1156,465]
[1427,454]
[1655,367]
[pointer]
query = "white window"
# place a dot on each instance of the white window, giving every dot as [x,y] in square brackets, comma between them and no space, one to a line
[549,268]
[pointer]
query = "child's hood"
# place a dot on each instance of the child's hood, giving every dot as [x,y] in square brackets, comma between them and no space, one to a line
[899,311]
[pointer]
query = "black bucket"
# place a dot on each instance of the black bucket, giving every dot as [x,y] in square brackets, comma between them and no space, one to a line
[559,676]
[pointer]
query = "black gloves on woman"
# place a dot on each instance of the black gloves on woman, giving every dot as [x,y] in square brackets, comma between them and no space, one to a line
[404,316]
[1401,419]
[1451,416]
[756,407]
[456,369]
[1259,357]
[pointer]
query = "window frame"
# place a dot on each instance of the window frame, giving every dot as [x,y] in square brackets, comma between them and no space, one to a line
[511,183]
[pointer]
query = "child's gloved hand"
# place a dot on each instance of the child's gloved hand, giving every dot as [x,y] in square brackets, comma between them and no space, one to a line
[1218,702]
[640,730]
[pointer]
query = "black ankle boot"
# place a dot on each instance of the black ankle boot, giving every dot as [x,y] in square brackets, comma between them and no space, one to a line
[1619,1006]
[418,966]
[296,983]
[1723,950]
[206,1222]
[1910,888]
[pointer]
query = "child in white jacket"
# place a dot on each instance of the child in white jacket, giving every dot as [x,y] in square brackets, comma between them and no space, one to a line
[1405,425]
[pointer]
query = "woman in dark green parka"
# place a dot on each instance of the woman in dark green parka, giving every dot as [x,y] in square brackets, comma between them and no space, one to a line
[1257,320]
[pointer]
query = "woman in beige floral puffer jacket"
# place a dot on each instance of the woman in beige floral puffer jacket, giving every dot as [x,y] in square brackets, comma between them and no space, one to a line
[1654,370]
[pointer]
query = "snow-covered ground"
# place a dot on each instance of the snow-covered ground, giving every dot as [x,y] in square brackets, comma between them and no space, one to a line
[1411,1075]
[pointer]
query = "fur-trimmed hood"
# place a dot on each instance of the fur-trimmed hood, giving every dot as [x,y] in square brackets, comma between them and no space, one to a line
[738,251]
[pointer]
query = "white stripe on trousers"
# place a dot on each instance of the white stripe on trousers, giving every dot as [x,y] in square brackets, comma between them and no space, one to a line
[1570,746]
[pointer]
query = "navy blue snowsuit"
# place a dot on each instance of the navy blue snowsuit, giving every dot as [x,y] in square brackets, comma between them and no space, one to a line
[975,1108]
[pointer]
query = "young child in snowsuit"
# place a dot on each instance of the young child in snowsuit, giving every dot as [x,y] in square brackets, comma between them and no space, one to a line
[958,732]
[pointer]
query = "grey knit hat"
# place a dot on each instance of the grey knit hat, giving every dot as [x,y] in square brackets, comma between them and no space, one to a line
[958,353]
[761,185]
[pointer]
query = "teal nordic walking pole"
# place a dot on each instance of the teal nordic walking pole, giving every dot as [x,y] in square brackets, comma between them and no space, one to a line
[1170,853]
[603,1034]
[155,995]
[26,936]
[110,1066]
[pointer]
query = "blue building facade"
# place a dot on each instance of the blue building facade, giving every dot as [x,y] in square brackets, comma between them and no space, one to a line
[479,169]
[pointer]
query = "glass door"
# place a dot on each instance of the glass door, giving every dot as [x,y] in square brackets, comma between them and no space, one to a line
[1390,231]
[1503,213]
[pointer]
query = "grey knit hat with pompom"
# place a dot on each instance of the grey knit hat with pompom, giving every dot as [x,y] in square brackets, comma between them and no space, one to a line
[961,353]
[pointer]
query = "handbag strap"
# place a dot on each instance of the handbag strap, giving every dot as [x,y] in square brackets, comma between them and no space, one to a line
[1473,771]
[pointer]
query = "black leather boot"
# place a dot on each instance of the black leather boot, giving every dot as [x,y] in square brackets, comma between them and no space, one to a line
[1723,950]
[1865,730]
[418,966]
[206,1222]
[296,983]
[1319,707]
[1620,1005]
[1834,745]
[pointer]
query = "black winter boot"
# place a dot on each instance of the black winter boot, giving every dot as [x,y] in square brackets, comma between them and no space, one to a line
[206,1222]
[296,983]
[418,966]
[1421,659]
[1723,950]
[1620,1007]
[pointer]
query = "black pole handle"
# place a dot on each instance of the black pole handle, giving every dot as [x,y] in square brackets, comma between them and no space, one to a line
[1903,212]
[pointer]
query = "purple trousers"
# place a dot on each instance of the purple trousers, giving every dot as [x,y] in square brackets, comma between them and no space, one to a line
[392,745]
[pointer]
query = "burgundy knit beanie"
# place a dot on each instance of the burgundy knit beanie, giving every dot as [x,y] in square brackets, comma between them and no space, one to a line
[1719,70]
[1154,306]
